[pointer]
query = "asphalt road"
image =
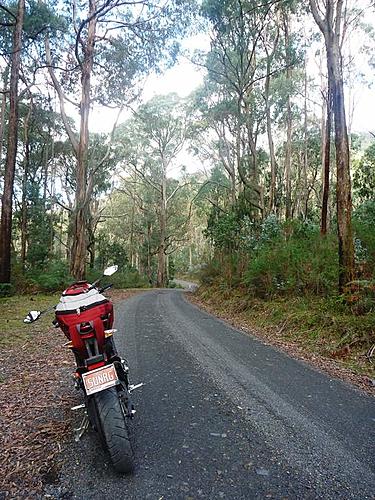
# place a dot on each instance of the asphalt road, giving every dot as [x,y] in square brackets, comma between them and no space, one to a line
[223,416]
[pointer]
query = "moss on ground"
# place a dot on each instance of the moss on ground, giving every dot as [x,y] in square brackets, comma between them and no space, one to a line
[13,331]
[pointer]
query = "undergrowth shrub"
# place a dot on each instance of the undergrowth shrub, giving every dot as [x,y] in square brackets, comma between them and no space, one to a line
[53,277]
[127,278]
[6,289]
[304,263]
[210,271]
[364,228]
[277,258]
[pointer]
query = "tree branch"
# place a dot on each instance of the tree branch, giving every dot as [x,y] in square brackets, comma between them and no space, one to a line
[9,12]
[61,96]
[319,21]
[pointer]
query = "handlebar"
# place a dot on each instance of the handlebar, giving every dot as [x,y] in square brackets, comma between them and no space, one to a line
[104,288]
[35,315]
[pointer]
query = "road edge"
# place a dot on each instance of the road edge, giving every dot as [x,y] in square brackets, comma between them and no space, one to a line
[315,361]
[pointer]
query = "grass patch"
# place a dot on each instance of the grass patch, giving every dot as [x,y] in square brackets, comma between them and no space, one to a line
[320,326]
[13,311]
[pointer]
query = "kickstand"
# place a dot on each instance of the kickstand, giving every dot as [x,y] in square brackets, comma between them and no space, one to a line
[79,432]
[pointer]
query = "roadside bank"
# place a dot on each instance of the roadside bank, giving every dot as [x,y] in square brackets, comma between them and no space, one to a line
[319,331]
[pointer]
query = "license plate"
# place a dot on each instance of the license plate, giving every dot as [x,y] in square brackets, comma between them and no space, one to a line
[100,379]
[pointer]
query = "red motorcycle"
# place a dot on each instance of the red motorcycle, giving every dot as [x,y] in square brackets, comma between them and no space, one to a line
[86,318]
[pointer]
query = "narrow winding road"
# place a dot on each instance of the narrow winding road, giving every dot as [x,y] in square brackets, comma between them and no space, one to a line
[223,416]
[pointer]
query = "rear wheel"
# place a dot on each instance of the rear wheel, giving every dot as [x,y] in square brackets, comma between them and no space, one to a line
[114,429]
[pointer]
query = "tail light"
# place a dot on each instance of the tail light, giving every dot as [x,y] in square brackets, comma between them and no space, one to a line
[85,328]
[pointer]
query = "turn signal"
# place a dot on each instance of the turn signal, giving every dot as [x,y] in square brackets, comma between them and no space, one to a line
[109,333]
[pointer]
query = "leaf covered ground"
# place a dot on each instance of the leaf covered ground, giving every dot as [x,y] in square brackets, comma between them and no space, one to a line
[35,397]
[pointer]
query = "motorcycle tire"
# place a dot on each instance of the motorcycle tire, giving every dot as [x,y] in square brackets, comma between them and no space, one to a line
[114,429]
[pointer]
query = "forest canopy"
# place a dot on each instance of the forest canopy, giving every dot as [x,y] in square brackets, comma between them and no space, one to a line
[256,179]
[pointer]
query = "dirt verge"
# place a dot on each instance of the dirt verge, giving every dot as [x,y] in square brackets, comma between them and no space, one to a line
[275,336]
[36,394]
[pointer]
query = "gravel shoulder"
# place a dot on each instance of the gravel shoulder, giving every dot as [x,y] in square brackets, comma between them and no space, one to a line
[275,337]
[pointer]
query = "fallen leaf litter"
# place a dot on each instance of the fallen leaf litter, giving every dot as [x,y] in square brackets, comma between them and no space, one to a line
[36,421]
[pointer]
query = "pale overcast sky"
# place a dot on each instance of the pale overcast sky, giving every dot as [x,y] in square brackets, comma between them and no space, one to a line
[184,77]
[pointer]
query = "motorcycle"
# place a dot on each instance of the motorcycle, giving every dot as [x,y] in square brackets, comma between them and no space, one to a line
[86,317]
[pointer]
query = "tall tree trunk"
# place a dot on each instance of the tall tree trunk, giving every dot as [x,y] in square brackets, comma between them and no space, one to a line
[52,194]
[305,151]
[288,162]
[45,169]
[149,257]
[2,112]
[288,146]
[271,146]
[161,278]
[80,214]
[24,187]
[272,200]
[326,157]
[343,182]
[131,236]
[10,162]
[24,213]
[330,26]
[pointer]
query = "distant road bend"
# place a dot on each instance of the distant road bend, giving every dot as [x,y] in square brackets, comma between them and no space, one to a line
[223,416]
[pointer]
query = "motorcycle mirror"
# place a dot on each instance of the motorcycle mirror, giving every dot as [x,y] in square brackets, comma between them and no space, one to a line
[110,270]
[32,316]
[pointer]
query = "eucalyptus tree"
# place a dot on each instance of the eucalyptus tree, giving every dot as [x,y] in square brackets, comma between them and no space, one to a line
[15,20]
[35,176]
[289,118]
[151,141]
[109,46]
[213,132]
[128,219]
[23,24]
[237,63]
[251,46]
[332,20]
[271,44]
[364,176]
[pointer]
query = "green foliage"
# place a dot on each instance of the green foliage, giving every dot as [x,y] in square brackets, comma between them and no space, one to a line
[6,289]
[128,278]
[39,230]
[289,258]
[125,277]
[171,268]
[365,213]
[364,227]
[142,40]
[54,277]
[39,18]
[152,139]
[223,229]
[364,175]
[110,252]
[236,230]
[210,272]
[301,264]
[270,230]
